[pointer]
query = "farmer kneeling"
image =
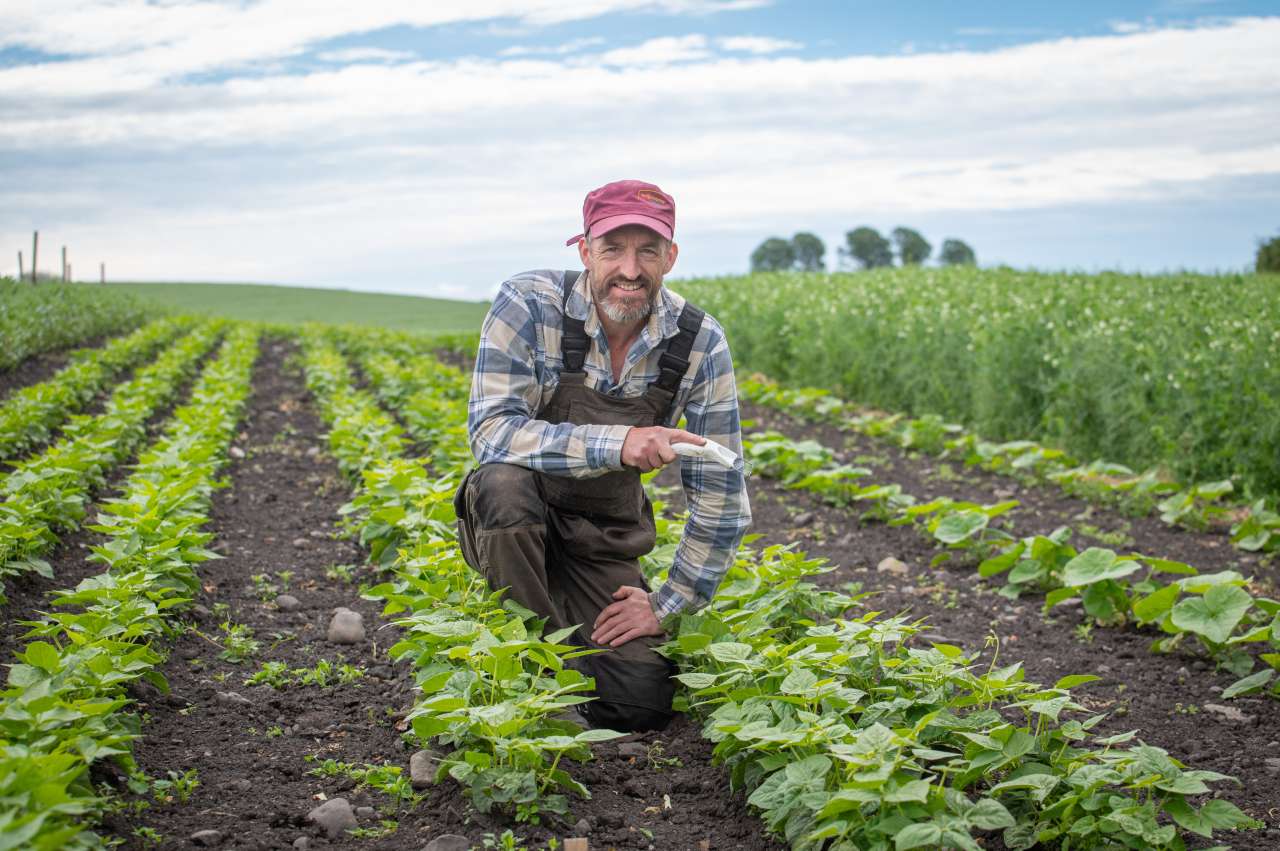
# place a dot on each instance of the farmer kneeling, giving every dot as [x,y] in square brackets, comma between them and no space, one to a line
[578,380]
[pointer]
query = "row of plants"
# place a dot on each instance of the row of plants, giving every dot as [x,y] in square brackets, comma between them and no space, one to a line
[29,416]
[1217,610]
[1255,528]
[493,688]
[35,319]
[66,703]
[1178,371]
[851,739]
[47,493]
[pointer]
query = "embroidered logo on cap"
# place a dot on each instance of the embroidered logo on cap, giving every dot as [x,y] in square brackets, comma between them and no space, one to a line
[654,198]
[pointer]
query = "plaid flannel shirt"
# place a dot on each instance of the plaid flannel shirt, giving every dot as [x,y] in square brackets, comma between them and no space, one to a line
[517,369]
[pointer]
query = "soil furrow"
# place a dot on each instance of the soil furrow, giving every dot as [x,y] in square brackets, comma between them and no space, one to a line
[250,752]
[43,366]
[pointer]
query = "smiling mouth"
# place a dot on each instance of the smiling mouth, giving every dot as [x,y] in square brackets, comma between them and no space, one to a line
[628,288]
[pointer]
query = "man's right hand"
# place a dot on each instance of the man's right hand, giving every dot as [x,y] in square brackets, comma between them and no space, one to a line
[650,448]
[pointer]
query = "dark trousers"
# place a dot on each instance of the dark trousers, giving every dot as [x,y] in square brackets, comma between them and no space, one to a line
[565,566]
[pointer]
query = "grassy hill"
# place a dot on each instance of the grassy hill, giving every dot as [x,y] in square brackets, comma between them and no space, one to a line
[304,304]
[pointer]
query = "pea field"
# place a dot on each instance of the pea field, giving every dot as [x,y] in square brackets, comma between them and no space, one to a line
[972,613]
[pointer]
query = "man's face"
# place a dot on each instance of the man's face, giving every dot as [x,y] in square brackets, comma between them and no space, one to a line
[626,266]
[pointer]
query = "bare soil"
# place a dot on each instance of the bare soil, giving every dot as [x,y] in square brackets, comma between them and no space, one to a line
[41,367]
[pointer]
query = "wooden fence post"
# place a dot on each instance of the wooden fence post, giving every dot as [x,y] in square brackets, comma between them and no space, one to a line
[102,270]
[65,274]
[35,250]
[68,280]
[21,271]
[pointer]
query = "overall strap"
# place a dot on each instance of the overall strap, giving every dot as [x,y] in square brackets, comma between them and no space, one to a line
[574,342]
[674,362]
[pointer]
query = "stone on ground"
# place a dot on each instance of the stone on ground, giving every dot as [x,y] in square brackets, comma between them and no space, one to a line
[334,816]
[347,627]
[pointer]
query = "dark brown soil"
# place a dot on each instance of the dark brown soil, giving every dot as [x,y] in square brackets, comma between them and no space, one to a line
[280,514]
[41,367]
[1165,697]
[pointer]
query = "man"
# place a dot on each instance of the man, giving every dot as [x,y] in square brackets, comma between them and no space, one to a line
[579,379]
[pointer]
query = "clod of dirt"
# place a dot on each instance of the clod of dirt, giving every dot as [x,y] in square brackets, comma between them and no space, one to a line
[582,828]
[892,565]
[231,698]
[333,816]
[449,842]
[422,769]
[206,837]
[630,749]
[302,843]
[288,603]
[1230,713]
[347,627]
[804,518]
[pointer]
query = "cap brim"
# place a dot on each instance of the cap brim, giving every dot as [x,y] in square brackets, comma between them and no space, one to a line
[603,226]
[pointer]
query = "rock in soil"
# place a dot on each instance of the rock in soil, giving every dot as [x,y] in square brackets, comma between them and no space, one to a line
[231,698]
[347,627]
[1230,713]
[422,769]
[449,842]
[892,565]
[804,518]
[630,749]
[288,603]
[333,816]
[206,837]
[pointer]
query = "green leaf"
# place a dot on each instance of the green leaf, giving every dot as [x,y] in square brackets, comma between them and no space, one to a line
[955,528]
[917,836]
[1215,614]
[1094,565]
[912,790]
[999,564]
[1072,680]
[990,814]
[43,656]
[597,735]
[729,651]
[697,680]
[1154,607]
[1248,685]
[798,681]
[1217,814]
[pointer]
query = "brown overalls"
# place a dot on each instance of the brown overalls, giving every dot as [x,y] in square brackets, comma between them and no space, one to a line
[563,545]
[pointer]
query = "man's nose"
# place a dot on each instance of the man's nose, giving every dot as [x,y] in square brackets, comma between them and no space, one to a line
[630,265]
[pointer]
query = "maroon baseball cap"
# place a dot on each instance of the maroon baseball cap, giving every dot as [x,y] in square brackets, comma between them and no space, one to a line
[627,202]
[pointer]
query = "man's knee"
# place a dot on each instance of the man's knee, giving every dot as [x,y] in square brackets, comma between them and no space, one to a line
[633,688]
[502,496]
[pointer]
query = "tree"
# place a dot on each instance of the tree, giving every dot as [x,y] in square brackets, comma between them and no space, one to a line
[868,247]
[773,255]
[956,252]
[913,249]
[809,250]
[1268,259]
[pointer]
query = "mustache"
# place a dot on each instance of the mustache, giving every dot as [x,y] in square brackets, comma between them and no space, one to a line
[618,279]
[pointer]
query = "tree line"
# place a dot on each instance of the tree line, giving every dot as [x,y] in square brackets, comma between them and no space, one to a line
[863,246]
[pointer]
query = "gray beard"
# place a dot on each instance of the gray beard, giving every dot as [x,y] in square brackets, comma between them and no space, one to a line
[624,314]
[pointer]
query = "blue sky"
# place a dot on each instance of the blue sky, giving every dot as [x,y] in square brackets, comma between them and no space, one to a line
[437,148]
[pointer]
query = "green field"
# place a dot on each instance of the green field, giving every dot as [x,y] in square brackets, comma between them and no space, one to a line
[302,304]
[1179,371]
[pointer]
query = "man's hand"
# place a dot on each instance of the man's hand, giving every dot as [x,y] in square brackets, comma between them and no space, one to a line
[630,617]
[650,448]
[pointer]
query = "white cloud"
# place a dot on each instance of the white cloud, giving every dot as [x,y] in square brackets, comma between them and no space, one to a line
[573,46]
[467,170]
[655,51]
[756,44]
[365,54]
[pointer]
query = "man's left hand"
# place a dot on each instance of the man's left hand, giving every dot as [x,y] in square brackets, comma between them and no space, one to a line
[630,617]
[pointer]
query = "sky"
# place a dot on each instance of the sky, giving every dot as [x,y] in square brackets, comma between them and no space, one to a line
[437,148]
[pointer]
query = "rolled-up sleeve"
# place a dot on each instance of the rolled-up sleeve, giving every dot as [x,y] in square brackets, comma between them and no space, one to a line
[719,512]
[506,393]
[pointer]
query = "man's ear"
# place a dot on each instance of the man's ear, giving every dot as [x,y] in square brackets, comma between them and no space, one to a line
[672,253]
[584,250]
